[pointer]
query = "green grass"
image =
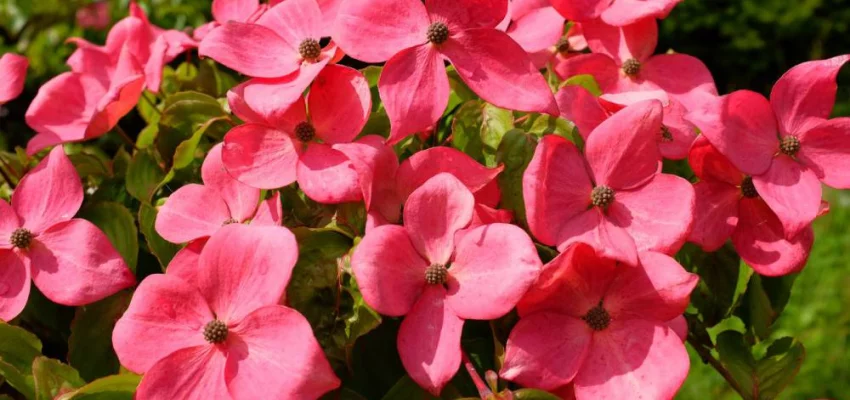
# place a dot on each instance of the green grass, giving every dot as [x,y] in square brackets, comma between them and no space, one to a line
[817,315]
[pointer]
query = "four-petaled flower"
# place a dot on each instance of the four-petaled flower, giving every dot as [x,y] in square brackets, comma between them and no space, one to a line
[437,274]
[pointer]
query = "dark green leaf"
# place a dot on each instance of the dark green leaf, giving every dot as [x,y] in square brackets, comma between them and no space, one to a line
[18,349]
[89,165]
[478,129]
[163,250]
[118,225]
[765,378]
[143,176]
[534,394]
[114,387]
[515,152]
[764,301]
[407,389]
[90,346]
[53,378]
[184,114]
[719,272]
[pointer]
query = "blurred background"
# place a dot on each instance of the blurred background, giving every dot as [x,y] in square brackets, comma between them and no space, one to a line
[747,44]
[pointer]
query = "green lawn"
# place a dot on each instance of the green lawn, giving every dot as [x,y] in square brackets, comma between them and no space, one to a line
[817,315]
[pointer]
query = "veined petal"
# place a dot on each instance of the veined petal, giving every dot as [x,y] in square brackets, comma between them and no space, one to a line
[13,70]
[826,150]
[233,10]
[241,199]
[181,220]
[581,107]
[14,284]
[635,41]
[625,12]
[760,240]
[537,30]
[49,194]
[685,78]
[434,213]
[62,110]
[792,191]
[327,176]
[375,30]
[602,67]
[805,95]
[709,165]
[295,21]
[580,10]
[467,14]
[251,49]
[339,103]
[594,228]
[715,214]
[426,164]
[193,373]
[260,156]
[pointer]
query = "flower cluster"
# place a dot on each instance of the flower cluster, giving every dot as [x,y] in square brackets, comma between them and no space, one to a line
[601,320]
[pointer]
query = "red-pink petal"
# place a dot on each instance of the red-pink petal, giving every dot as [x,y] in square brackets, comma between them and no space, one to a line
[546,350]
[13,70]
[73,263]
[375,30]
[499,71]
[467,14]
[571,284]
[389,270]
[270,212]
[62,110]
[434,213]
[636,41]
[234,10]
[556,187]
[682,133]
[275,345]
[537,30]
[805,95]
[429,340]
[484,215]
[594,228]
[659,215]
[166,314]
[240,198]
[181,220]
[194,373]
[14,284]
[493,267]
[339,103]
[602,67]
[9,222]
[742,127]
[50,193]
[274,102]
[792,191]
[826,150]
[633,359]
[260,156]
[426,164]
[580,10]
[376,165]
[715,214]
[622,151]
[708,164]
[683,77]
[244,267]
[327,176]
[295,21]
[625,12]
[657,289]
[760,240]
[415,90]
[251,49]
[184,264]
[581,107]
[680,326]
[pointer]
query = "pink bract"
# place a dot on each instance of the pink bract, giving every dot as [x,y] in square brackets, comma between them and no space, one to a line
[70,260]
[612,196]
[246,11]
[615,12]
[437,274]
[279,146]
[415,44]
[728,205]
[213,328]
[622,61]
[788,144]
[94,15]
[602,327]
[13,71]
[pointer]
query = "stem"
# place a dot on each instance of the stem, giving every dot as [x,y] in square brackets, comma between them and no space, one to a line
[151,102]
[7,178]
[521,119]
[483,390]
[706,356]
[8,170]
[125,136]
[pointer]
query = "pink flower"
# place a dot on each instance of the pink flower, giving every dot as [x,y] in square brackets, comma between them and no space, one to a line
[587,112]
[536,27]
[94,15]
[279,146]
[225,201]
[612,197]
[728,204]
[245,11]
[786,144]
[622,61]
[13,71]
[615,12]
[70,260]
[414,85]
[214,329]
[282,46]
[602,326]
[437,274]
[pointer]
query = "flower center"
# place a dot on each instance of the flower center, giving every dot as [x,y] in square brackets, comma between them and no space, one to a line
[305,131]
[229,221]
[789,145]
[597,318]
[666,136]
[602,196]
[21,238]
[748,189]
[310,49]
[563,45]
[436,274]
[438,33]
[215,331]
[631,67]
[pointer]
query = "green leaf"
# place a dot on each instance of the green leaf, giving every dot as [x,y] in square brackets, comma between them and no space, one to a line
[53,378]
[184,114]
[543,124]
[363,319]
[407,389]
[90,345]
[719,274]
[185,152]
[378,122]
[163,250]
[534,394]
[114,387]
[478,129]
[143,176]
[119,226]
[89,165]
[146,110]
[779,366]
[765,378]
[18,349]
[515,152]
[764,301]
[586,81]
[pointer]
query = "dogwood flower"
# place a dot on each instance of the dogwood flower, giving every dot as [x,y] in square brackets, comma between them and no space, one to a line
[788,145]
[214,329]
[13,71]
[437,274]
[615,12]
[246,11]
[622,61]
[603,327]
[612,197]
[70,260]
[728,204]
[279,146]
[415,39]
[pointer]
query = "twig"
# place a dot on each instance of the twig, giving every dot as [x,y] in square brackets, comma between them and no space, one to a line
[125,136]
[706,356]
[7,178]
[151,102]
